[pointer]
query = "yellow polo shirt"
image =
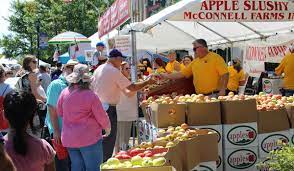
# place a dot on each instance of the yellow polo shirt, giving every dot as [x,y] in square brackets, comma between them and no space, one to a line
[160,70]
[235,78]
[287,67]
[206,72]
[149,70]
[170,67]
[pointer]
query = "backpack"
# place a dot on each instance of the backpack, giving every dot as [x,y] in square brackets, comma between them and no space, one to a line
[3,121]
[19,85]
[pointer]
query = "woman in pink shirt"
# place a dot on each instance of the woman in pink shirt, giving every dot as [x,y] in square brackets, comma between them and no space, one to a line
[83,121]
[27,152]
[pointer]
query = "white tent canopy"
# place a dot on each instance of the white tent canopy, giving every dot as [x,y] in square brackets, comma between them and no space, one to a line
[42,63]
[167,30]
[95,37]
[8,61]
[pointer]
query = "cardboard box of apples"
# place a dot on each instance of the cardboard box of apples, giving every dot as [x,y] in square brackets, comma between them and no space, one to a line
[136,159]
[290,109]
[179,147]
[164,111]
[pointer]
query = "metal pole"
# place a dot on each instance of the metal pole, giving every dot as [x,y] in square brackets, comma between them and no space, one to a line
[134,50]
[38,40]
[134,74]
[232,52]
[227,54]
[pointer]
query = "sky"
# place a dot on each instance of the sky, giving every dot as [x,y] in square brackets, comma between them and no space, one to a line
[4,12]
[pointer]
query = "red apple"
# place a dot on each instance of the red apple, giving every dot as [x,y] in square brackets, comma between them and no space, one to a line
[119,157]
[148,153]
[134,152]
[122,152]
[125,156]
[141,155]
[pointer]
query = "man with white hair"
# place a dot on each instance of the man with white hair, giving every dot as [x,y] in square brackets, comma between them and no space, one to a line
[287,67]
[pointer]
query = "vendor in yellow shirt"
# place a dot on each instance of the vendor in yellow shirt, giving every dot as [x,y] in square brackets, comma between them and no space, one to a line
[159,65]
[209,71]
[236,77]
[173,65]
[187,60]
[148,68]
[287,67]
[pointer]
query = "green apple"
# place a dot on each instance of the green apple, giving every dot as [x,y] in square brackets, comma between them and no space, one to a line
[104,166]
[136,160]
[122,165]
[147,161]
[128,164]
[178,128]
[113,167]
[159,161]
[113,161]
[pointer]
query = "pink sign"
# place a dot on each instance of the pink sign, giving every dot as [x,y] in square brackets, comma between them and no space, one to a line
[116,15]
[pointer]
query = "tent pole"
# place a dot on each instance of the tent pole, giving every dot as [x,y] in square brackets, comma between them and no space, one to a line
[227,55]
[251,29]
[180,29]
[215,32]
[134,50]
[134,60]
[232,51]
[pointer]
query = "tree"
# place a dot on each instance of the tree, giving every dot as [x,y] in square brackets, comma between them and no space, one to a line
[55,17]
[13,46]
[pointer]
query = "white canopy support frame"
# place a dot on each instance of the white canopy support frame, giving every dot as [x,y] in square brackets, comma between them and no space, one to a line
[180,30]
[256,32]
[203,25]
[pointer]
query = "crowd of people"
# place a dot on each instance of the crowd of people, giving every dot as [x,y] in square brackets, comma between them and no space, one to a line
[80,111]
[89,112]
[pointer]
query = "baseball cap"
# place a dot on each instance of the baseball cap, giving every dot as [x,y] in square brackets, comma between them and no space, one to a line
[80,72]
[116,53]
[100,44]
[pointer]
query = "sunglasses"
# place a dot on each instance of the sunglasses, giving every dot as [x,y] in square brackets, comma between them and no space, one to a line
[195,48]
[70,67]
[127,68]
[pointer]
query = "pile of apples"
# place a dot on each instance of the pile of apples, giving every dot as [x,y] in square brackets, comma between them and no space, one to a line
[193,98]
[179,99]
[122,155]
[164,99]
[270,102]
[134,162]
[232,97]
[290,101]
[170,137]
[160,83]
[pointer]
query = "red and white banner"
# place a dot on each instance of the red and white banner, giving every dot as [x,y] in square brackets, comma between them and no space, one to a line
[238,10]
[255,56]
[116,15]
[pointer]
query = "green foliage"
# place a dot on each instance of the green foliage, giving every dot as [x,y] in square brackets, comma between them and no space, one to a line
[55,17]
[280,160]
[13,46]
